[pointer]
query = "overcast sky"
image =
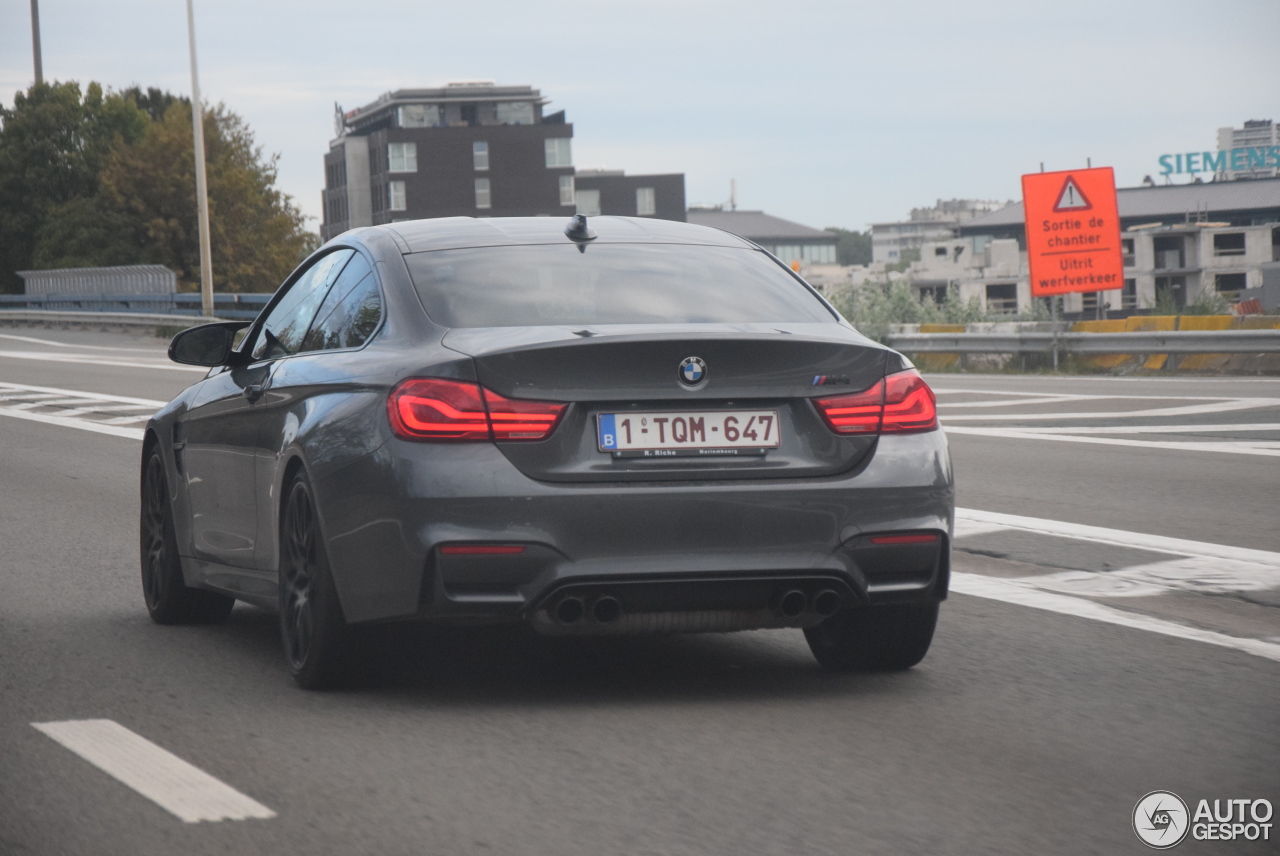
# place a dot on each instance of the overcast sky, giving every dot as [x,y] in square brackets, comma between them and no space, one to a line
[827,113]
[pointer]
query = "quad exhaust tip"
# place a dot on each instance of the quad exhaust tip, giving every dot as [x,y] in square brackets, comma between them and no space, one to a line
[792,604]
[570,610]
[827,603]
[606,609]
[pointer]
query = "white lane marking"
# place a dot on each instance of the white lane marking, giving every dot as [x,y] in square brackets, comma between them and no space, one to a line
[72,422]
[1267,448]
[71,345]
[93,359]
[1065,396]
[979,376]
[1219,406]
[106,408]
[162,777]
[1012,591]
[1055,399]
[1117,537]
[63,393]
[1193,574]
[43,396]
[1187,428]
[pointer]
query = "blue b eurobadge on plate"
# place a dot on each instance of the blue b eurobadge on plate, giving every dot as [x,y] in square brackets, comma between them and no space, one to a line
[608,433]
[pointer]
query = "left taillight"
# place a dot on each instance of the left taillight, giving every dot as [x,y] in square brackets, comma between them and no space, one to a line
[441,410]
[900,403]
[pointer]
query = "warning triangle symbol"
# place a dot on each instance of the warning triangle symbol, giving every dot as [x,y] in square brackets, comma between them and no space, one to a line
[1071,197]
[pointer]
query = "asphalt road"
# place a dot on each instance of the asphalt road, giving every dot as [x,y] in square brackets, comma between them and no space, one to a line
[1044,711]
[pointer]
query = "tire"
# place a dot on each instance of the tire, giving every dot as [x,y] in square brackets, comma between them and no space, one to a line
[874,639]
[168,599]
[318,645]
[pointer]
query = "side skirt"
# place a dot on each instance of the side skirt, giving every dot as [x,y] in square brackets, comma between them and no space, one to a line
[260,588]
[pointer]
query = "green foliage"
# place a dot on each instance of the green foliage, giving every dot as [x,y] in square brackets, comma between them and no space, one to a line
[873,308]
[853,247]
[1207,302]
[134,200]
[54,143]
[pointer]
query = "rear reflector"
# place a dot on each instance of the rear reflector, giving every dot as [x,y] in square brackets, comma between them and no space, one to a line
[901,403]
[903,539]
[443,410]
[481,549]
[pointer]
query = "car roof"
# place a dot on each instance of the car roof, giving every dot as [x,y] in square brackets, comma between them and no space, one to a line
[459,232]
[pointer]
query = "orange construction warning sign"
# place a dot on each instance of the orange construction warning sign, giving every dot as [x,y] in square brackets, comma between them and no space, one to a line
[1073,231]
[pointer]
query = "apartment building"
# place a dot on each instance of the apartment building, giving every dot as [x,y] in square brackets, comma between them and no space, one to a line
[470,148]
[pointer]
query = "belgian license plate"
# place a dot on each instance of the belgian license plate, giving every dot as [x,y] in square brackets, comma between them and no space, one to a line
[693,433]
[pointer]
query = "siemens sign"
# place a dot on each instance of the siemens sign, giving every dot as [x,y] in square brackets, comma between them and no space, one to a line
[1236,160]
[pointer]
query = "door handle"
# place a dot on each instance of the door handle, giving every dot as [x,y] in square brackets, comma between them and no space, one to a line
[254,391]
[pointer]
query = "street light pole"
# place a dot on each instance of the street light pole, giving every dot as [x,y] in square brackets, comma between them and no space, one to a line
[35,40]
[202,190]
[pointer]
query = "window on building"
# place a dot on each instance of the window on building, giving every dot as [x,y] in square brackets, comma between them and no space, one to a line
[419,116]
[1227,282]
[1228,244]
[402,157]
[395,196]
[1129,295]
[515,113]
[818,254]
[588,202]
[566,190]
[789,252]
[558,153]
[1002,299]
[646,204]
[482,193]
[1126,251]
[480,156]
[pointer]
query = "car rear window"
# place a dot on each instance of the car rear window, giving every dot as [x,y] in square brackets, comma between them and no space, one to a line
[557,284]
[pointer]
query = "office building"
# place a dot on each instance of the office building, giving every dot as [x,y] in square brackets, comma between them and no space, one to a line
[1250,152]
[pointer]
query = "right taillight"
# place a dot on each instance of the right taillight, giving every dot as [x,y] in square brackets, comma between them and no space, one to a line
[901,403]
[909,404]
[443,410]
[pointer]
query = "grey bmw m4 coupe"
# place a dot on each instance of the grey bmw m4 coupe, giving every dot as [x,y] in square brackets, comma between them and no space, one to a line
[617,427]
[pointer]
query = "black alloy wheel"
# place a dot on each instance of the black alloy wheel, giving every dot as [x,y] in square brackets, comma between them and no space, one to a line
[316,639]
[168,599]
[887,638]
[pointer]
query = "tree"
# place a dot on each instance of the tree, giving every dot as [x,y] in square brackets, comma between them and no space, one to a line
[144,208]
[53,145]
[853,247]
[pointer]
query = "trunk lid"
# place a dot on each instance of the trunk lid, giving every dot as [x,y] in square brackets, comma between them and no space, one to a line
[633,369]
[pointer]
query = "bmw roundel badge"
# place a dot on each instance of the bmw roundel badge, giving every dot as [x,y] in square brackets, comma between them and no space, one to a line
[693,371]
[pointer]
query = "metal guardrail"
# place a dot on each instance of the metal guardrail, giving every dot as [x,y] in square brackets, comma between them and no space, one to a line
[1146,342]
[108,319]
[226,305]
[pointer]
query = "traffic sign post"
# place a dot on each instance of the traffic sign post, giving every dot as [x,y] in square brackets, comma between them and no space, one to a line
[1073,231]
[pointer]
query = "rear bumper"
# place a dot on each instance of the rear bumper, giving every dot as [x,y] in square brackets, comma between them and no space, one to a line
[694,546]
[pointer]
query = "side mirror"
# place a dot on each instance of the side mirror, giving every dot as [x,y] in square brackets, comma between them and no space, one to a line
[206,345]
